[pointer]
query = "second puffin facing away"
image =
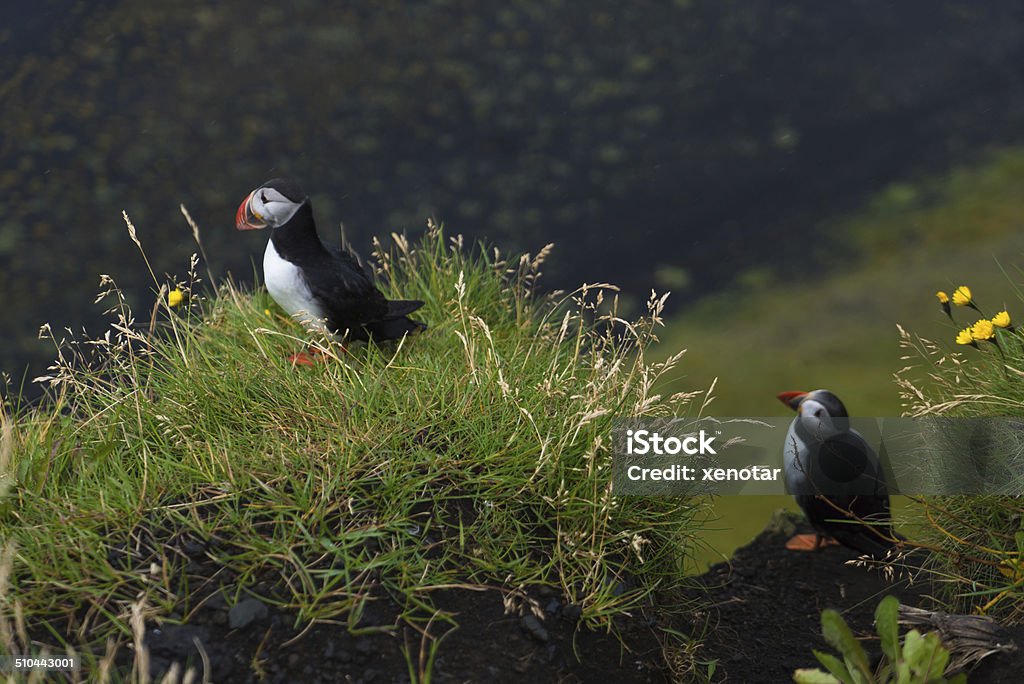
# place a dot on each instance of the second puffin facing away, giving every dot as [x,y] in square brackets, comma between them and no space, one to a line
[835,476]
[313,281]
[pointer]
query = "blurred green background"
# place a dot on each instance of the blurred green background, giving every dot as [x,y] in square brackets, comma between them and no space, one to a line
[835,325]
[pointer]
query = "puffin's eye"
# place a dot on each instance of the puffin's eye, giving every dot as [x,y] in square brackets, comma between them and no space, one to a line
[818,413]
[263,197]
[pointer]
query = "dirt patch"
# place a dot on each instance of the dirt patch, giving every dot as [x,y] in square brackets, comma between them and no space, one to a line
[762,622]
[767,603]
[251,641]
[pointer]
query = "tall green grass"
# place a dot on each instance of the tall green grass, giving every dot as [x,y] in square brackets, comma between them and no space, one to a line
[476,453]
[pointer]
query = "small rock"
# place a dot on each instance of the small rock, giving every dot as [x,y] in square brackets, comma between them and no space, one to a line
[572,612]
[534,628]
[176,640]
[545,591]
[554,605]
[192,549]
[246,612]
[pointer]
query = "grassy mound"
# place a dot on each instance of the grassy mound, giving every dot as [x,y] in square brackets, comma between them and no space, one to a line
[474,453]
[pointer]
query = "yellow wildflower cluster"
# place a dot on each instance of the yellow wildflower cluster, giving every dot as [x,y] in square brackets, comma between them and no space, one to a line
[984,329]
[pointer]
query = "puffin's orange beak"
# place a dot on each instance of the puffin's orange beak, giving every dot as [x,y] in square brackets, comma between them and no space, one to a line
[791,399]
[245,218]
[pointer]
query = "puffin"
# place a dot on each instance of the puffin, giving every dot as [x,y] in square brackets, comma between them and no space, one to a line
[836,478]
[319,284]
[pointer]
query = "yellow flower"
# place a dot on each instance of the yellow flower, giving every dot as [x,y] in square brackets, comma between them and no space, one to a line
[983,330]
[266,311]
[944,303]
[965,337]
[1001,319]
[962,296]
[174,297]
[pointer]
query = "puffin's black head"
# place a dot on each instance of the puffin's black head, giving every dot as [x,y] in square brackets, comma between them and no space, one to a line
[272,204]
[822,400]
[819,411]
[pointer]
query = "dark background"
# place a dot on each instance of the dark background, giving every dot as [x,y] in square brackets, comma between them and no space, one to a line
[659,144]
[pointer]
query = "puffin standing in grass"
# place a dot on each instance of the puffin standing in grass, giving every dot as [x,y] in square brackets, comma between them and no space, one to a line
[314,282]
[835,477]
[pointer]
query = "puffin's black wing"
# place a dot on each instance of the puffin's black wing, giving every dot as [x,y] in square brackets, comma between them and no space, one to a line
[854,507]
[354,304]
[861,523]
[348,296]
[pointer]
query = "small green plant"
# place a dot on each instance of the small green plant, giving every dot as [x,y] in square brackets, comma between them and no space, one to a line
[918,660]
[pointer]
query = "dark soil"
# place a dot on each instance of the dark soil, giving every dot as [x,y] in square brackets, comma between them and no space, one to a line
[763,621]
[767,603]
[488,644]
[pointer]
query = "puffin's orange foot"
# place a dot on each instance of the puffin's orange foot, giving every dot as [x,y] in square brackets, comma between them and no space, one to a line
[809,542]
[314,355]
[301,359]
[307,358]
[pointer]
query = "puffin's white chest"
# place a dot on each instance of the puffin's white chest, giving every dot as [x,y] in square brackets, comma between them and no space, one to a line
[287,286]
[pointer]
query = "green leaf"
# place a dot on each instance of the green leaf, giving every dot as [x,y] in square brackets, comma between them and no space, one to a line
[903,674]
[886,616]
[834,666]
[915,651]
[938,656]
[924,656]
[814,677]
[836,633]
[858,676]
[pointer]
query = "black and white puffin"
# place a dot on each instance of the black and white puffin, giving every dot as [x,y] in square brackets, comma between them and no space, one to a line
[836,477]
[316,283]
